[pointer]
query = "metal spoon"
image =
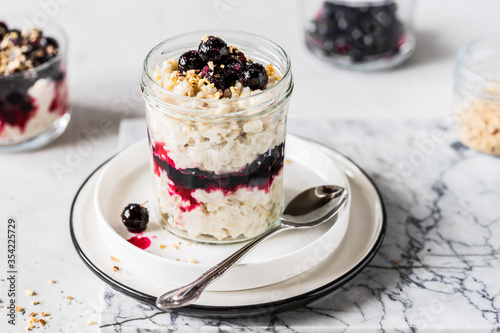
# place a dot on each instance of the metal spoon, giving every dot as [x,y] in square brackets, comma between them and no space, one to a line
[308,209]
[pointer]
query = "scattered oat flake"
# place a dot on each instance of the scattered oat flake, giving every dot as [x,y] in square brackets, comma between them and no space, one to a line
[42,322]
[162,246]
[32,314]
[175,246]
[19,308]
[193,261]
[115,259]
[29,292]
[45,314]
[30,327]
[33,320]
[116,268]
[35,303]
[52,281]
[90,323]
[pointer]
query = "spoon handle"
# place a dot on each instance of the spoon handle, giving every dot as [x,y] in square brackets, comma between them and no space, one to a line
[191,292]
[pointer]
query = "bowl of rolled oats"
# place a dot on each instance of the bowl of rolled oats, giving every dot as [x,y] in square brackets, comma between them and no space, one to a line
[477,95]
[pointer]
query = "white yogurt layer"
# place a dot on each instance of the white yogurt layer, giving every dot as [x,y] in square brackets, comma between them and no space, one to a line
[43,91]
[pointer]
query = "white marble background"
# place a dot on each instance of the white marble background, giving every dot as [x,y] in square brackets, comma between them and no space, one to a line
[437,269]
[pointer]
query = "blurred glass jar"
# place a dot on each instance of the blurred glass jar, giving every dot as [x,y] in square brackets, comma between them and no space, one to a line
[360,34]
[33,102]
[477,94]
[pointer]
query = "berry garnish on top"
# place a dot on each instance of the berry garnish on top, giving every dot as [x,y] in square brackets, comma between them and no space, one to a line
[221,65]
[190,60]
[23,50]
[213,49]
[135,217]
[254,76]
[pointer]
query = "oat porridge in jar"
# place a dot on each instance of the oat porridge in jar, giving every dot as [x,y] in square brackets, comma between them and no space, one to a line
[33,90]
[216,105]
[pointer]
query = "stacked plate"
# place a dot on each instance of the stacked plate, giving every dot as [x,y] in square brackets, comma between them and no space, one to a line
[286,271]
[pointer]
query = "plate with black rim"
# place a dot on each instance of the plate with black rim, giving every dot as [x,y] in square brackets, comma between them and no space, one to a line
[365,233]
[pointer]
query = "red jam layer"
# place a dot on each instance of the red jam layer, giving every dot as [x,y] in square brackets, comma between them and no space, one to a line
[259,174]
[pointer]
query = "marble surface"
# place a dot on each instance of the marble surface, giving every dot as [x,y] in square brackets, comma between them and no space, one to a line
[437,269]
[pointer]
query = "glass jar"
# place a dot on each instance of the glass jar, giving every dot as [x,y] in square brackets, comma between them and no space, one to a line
[217,163]
[477,94]
[360,34]
[34,103]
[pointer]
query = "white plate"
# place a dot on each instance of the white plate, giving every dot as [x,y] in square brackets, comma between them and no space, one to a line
[363,238]
[127,178]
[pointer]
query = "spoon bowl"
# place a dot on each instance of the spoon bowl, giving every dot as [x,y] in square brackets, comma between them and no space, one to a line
[310,208]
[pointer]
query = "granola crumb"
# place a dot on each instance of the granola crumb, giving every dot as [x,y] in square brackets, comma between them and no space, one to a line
[33,320]
[69,297]
[33,314]
[35,303]
[287,161]
[42,322]
[193,261]
[52,281]
[175,246]
[45,314]
[162,246]
[116,268]
[90,323]
[115,259]
[29,292]
[19,308]
[30,327]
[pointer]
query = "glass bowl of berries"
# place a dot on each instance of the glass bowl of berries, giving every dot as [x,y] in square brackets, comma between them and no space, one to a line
[216,105]
[361,35]
[33,90]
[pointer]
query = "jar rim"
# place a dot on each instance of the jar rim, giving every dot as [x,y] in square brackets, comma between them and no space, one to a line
[62,40]
[463,67]
[200,33]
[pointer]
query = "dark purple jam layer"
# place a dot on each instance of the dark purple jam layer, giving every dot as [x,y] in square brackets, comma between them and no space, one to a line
[259,174]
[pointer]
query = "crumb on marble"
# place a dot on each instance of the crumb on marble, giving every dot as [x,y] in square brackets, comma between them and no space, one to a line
[29,292]
[115,259]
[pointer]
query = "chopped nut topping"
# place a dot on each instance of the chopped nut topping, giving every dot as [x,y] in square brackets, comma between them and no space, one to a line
[52,281]
[115,259]
[162,246]
[19,308]
[34,303]
[33,320]
[42,322]
[32,314]
[30,327]
[116,268]
[29,292]
[45,314]
[69,297]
